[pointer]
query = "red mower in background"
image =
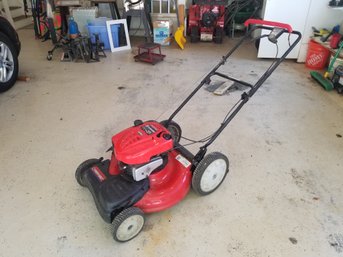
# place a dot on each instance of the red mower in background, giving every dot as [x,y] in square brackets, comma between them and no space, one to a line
[206,20]
[150,171]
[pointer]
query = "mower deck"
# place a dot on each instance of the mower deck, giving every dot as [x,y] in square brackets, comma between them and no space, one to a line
[162,190]
[112,193]
[168,186]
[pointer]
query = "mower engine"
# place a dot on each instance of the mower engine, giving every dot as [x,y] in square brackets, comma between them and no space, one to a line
[137,173]
[138,151]
[206,20]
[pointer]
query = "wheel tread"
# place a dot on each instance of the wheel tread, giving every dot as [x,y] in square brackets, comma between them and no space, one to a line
[200,169]
[219,34]
[195,34]
[121,217]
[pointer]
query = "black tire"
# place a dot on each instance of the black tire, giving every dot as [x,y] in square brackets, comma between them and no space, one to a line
[125,231]
[82,168]
[86,51]
[257,43]
[49,56]
[174,129]
[12,54]
[195,34]
[218,35]
[201,172]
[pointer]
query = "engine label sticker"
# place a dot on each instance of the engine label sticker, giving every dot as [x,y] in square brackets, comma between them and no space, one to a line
[98,173]
[183,161]
[149,129]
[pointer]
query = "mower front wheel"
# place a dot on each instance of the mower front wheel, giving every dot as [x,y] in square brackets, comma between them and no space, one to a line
[82,168]
[174,129]
[127,224]
[210,173]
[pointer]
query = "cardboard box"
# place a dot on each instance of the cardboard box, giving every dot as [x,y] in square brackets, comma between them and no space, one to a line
[163,30]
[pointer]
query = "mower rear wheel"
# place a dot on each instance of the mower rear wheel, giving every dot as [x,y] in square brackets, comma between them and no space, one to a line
[174,129]
[127,224]
[210,173]
[195,34]
[218,36]
[82,168]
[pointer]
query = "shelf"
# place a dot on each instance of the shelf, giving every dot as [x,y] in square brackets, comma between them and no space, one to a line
[326,45]
[336,7]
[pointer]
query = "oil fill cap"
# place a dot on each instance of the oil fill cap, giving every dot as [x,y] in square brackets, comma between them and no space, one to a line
[137,123]
[167,136]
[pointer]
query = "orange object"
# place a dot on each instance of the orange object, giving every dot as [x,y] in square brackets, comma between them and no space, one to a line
[57,20]
[317,56]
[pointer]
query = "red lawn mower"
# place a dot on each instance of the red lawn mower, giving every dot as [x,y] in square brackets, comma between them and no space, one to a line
[150,171]
[206,20]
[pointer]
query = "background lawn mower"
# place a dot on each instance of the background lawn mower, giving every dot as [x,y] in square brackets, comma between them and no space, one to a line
[210,20]
[206,20]
[150,170]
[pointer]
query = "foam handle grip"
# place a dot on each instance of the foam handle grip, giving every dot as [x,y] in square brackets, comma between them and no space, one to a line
[269,23]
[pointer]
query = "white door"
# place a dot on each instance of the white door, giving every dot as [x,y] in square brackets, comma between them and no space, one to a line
[293,12]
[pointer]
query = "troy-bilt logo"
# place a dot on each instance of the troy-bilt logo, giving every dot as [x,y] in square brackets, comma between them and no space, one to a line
[98,173]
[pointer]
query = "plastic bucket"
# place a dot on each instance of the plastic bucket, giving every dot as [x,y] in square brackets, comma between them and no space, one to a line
[317,56]
[101,21]
[103,36]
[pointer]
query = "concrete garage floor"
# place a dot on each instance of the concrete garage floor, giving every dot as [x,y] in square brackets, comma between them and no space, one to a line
[283,195]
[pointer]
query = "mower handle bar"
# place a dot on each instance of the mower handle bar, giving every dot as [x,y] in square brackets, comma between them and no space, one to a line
[268,23]
[253,88]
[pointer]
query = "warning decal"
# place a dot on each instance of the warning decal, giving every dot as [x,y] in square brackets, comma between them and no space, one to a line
[183,161]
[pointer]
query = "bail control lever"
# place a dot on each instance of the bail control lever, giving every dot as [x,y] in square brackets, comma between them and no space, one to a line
[277,30]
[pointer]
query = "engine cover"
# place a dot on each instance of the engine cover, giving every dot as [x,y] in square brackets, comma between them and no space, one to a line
[138,144]
[209,19]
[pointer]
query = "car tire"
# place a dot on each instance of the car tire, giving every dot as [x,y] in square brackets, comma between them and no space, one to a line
[9,65]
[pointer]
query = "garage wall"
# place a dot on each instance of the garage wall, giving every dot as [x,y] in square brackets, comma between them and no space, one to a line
[319,16]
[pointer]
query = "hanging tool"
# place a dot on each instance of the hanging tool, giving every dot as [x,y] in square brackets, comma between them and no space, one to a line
[179,34]
[333,31]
